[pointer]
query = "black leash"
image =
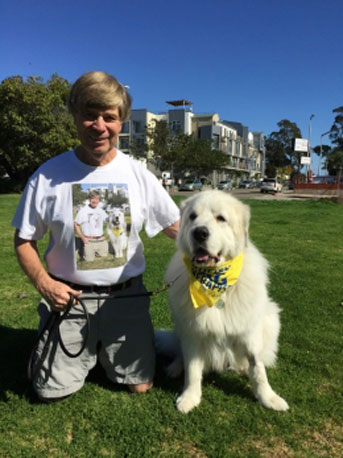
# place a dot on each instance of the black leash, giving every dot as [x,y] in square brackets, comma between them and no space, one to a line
[53,325]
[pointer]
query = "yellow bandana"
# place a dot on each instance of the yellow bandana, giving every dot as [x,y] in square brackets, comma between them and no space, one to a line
[208,284]
[118,231]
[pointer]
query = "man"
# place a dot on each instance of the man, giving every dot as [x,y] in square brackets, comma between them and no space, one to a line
[88,225]
[121,334]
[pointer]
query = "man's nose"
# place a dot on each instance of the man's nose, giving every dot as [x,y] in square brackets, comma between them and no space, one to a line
[99,123]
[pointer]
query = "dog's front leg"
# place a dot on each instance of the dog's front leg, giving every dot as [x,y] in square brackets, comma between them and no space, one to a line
[191,394]
[262,389]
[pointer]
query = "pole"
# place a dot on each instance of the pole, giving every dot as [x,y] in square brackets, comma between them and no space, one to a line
[309,146]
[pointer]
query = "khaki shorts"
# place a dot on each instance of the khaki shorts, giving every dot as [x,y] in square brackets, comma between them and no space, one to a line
[121,338]
[93,248]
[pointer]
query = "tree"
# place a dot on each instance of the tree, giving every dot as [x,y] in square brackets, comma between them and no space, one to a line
[160,141]
[280,146]
[35,124]
[181,152]
[336,131]
[334,155]
[275,155]
[334,162]
[322,151]
[197,156]
[138,148]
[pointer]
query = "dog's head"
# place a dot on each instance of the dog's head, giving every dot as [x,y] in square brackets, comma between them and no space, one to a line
[117,217]
[214,227]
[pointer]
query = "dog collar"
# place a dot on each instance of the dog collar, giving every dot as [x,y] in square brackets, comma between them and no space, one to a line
[208,284]
[118,231]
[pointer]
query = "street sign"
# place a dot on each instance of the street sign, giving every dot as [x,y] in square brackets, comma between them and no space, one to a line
[305,160]
[301,144]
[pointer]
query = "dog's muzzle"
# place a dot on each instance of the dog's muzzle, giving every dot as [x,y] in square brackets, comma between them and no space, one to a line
[201,234]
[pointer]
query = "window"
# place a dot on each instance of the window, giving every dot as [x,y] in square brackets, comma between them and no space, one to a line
[175,126]
[125,128]
[137,127]
[215,140]
[229,147]
[124,142]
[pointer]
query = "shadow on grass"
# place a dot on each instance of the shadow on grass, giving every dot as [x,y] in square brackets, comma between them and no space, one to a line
[15,349]
[229,382]
[16,346]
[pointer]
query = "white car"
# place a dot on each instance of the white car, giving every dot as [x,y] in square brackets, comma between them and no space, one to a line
[271,185]
[225,185]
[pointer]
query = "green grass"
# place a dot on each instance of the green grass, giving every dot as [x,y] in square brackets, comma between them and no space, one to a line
[304,243]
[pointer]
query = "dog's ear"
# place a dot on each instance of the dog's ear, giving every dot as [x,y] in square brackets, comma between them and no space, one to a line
[243,221]
[184,204]
[246,221]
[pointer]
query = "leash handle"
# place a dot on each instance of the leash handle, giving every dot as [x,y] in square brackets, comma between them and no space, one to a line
[51,327]
[63,317]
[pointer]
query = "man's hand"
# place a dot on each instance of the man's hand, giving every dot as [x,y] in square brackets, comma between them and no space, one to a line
[57,294]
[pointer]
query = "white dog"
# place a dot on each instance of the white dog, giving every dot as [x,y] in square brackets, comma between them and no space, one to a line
[116,230]
[223,315]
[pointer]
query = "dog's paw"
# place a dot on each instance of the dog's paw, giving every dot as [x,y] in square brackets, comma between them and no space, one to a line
[186,402]
[275,402]
[175,369]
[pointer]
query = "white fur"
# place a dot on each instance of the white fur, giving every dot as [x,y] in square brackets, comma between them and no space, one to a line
[243,334]
[118,242]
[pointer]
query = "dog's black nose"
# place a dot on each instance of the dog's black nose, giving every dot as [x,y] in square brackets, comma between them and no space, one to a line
[201,233]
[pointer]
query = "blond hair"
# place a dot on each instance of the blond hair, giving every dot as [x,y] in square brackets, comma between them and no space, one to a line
[94,193]
[99,90]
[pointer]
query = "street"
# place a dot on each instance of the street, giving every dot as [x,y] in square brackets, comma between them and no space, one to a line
[250,194]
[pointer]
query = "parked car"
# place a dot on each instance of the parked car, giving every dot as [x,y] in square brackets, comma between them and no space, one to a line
[206,182]
[271,185]
[225,185]
[191,185]
[245,184]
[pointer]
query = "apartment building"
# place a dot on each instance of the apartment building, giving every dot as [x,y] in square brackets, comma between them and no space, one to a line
[245,149]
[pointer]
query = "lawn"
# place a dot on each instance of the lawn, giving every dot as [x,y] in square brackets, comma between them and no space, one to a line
[304,243]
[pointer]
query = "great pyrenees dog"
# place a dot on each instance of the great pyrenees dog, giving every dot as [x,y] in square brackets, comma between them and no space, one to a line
[223,316]
[116,230]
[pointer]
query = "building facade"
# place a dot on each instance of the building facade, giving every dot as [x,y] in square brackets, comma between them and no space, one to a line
[245,149]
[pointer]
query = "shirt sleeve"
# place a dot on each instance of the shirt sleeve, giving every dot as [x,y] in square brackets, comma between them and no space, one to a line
[161,211]
[29,215]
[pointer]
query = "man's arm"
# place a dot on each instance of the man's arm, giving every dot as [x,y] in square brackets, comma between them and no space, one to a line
[78,231]
[172,230]
[56,293]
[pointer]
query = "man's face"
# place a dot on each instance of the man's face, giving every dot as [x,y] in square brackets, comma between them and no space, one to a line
[98,132]
[94,201]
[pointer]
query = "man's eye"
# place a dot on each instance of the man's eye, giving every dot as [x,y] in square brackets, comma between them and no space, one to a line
[89,116]
[110,118]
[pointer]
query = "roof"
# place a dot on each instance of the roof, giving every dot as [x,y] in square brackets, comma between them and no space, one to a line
[177,103]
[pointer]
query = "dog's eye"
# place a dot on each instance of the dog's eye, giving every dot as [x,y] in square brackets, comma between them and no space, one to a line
[192,216]
[221,218]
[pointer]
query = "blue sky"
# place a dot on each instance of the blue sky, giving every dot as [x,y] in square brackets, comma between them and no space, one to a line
[255,62]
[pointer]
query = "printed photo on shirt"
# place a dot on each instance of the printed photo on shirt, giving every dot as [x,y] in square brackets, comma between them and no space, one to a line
[102,220]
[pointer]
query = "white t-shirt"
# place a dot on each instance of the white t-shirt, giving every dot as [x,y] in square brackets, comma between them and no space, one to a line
[59,189]
[91,220]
